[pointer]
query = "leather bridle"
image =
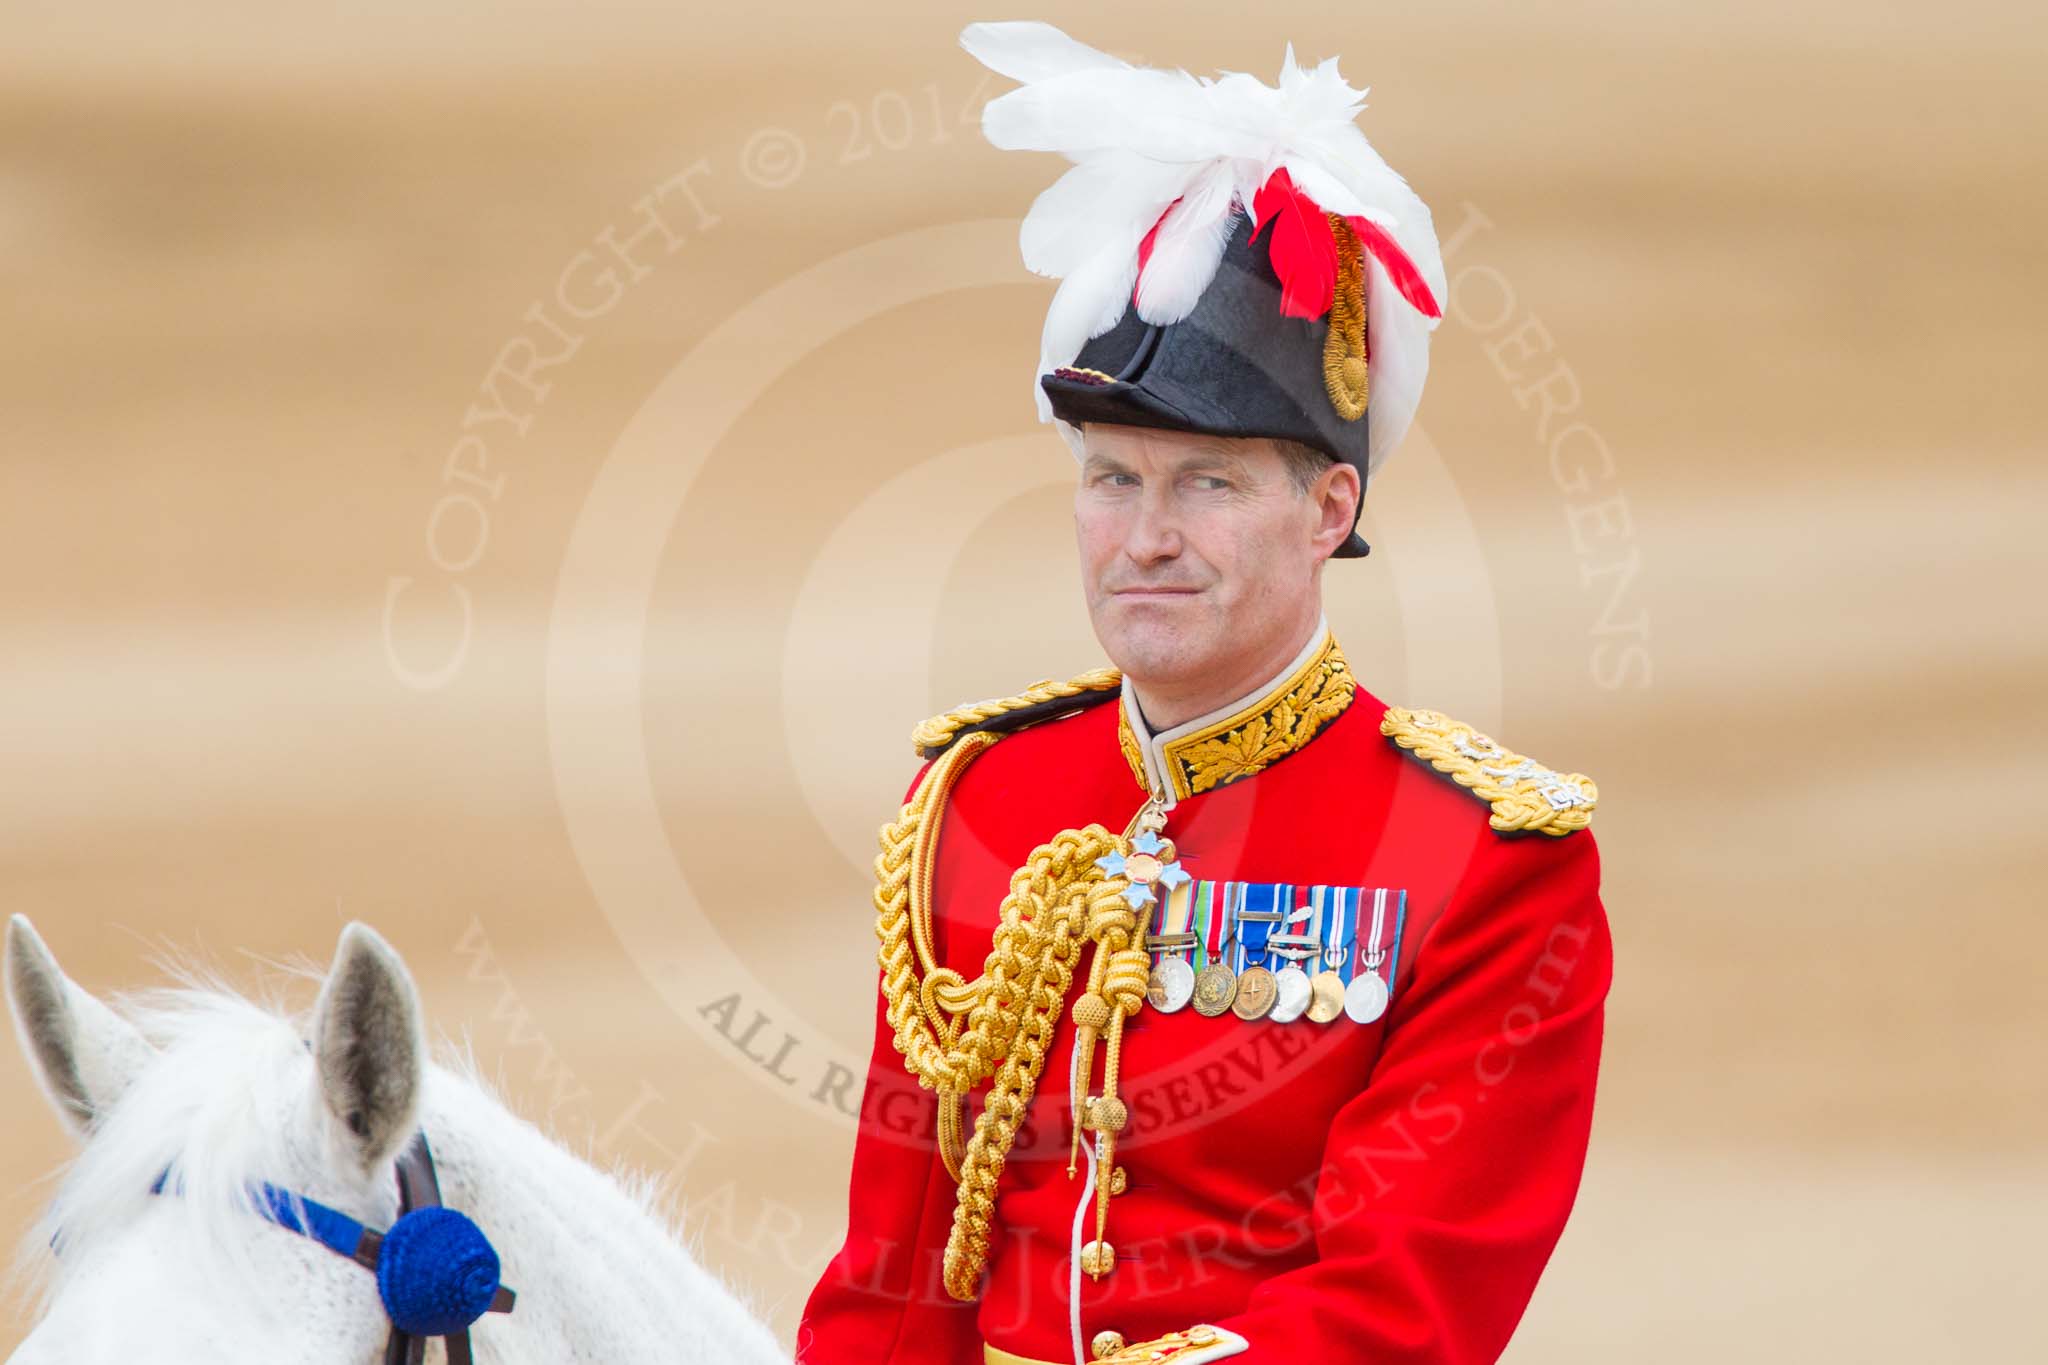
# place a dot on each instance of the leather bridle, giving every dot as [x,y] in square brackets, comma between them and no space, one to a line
[418,1188]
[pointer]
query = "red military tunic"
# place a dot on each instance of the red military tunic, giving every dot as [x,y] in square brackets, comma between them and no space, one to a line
[1385,1192]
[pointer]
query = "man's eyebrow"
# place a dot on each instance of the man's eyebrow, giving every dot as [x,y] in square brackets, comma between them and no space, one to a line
[1215,457]
[1203,457]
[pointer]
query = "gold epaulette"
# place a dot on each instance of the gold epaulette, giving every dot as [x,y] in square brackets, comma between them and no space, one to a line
[1040,701]
[1525,794]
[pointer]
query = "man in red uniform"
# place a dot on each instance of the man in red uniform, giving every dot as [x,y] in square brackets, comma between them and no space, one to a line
[1277,1009]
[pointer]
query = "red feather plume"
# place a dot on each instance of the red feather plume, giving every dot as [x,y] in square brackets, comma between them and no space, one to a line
[1303,249]
[1400,269]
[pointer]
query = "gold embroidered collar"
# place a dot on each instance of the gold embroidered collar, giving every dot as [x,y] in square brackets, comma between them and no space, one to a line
[1245,737]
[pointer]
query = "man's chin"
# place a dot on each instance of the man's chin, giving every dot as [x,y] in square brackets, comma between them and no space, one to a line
[1154,646]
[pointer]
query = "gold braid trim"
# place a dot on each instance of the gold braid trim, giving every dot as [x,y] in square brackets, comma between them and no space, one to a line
[1249,741]
[936,733]
[1128,742]
[1525,794]
[1344,363]
[952,1033]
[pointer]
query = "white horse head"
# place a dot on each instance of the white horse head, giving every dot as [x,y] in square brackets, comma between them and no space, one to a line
[227,1096]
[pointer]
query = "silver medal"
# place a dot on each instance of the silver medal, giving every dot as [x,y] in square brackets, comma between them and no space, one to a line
[1172,985]
[1365,999]
[1295,992]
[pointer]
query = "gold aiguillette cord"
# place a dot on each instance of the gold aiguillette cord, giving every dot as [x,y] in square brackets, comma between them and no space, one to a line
[954,1033]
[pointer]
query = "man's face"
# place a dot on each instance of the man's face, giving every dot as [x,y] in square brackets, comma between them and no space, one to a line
[1200,555]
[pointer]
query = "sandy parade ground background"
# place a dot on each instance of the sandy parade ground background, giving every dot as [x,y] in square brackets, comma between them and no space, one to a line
[396,524]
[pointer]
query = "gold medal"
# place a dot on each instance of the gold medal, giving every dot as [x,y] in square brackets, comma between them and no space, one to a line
[1326,997]
[1215,988]
[1144,868]
[1256,994]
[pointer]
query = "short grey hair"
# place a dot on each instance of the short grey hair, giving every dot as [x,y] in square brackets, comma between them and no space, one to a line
[1305,464]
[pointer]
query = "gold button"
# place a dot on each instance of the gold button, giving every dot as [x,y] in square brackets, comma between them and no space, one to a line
[1202,1336]
[1098,1259]
[1106,1344]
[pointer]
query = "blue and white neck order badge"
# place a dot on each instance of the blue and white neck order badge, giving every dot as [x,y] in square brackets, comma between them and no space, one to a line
[1278,951]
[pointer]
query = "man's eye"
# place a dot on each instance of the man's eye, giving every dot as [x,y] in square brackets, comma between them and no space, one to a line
[1210,483]
[1121,480]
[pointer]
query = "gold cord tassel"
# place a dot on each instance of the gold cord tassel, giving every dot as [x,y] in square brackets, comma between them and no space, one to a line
[1129,970]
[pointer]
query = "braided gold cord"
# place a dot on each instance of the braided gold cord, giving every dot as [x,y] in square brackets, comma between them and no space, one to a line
[1067,891]
[938,731]
[1057,901]
[933,1048]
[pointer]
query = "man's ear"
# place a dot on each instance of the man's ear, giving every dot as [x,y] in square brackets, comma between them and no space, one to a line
[1335,495]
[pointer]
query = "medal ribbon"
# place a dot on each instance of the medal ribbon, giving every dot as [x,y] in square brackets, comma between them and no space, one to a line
[1394,953]
[1379,925]
[1210,922]
[1229,951]
[1343,908]
[1178,910]
[1307,922]
[1261,905]
[1287,941]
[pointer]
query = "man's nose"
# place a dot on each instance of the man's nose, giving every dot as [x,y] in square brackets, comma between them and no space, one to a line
[1155,530]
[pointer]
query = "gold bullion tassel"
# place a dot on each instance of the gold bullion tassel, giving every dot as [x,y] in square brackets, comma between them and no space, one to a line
[1344,361]
[953,1033]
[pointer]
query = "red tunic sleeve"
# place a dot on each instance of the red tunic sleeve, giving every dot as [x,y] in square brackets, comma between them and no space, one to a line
[882,1300]
[1446,1182]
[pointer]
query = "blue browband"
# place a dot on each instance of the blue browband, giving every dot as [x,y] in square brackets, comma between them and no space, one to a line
[436,1271]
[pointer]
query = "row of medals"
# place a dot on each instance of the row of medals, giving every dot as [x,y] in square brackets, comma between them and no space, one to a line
[1258,993]
[1255,993]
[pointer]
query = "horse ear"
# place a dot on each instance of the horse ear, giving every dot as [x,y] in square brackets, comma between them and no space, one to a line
[371,1050]
[83,1054]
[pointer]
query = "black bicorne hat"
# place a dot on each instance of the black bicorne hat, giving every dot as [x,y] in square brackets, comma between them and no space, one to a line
[1236,366]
